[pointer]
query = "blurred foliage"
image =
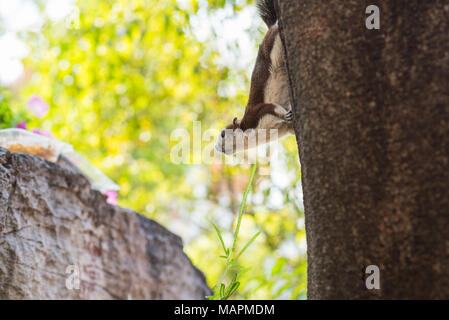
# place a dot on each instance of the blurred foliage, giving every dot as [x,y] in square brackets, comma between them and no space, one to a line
[8,117]
[120,76]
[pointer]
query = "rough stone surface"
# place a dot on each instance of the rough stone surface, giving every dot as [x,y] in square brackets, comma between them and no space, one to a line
[371,116]
[50,219]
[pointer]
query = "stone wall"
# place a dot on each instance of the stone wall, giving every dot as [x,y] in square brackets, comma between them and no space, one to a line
[54,226]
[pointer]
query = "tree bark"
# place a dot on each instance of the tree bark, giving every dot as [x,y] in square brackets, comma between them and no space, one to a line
[52,223]
[371,111]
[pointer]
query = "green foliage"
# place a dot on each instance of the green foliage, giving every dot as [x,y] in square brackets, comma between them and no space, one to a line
[6,116]
[119,78]
[118,82]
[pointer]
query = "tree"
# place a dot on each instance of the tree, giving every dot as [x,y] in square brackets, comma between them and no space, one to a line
[371,113]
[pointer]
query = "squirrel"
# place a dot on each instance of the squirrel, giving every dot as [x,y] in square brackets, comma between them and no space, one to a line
[269,104]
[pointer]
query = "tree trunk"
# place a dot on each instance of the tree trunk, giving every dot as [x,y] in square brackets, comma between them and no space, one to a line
[61,240]
[371,114]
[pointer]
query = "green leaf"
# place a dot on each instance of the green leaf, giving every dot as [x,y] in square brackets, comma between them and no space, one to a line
[226,250]
[233,289]
[243,206]
[278,266]
[248,244]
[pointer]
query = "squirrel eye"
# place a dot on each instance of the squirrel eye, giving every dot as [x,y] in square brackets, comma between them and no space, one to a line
[223,133]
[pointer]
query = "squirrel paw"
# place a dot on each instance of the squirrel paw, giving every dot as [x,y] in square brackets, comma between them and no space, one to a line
[289,116]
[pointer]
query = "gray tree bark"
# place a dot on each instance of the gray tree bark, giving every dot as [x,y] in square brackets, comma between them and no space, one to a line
[53,227]
[371,114]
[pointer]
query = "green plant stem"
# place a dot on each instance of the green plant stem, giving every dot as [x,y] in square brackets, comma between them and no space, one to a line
[243,206]
[229,260]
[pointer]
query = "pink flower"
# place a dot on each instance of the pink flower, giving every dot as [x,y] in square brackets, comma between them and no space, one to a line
[22,125]
[112,197]
[38,106]
[42,133]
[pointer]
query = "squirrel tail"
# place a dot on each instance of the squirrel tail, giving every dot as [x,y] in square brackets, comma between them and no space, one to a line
[267,12]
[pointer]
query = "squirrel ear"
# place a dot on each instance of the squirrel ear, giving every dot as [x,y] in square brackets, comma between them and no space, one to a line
[235,122]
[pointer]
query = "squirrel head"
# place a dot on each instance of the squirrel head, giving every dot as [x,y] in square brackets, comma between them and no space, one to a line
[230,137]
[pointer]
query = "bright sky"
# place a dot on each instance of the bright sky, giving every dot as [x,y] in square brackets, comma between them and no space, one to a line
[23,15]
[230,27]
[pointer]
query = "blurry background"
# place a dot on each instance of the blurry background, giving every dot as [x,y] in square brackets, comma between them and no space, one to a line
[115,77]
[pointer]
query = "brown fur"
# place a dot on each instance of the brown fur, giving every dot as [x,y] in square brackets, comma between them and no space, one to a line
[261,71]
[254,114]
[256,107]
[268,82]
